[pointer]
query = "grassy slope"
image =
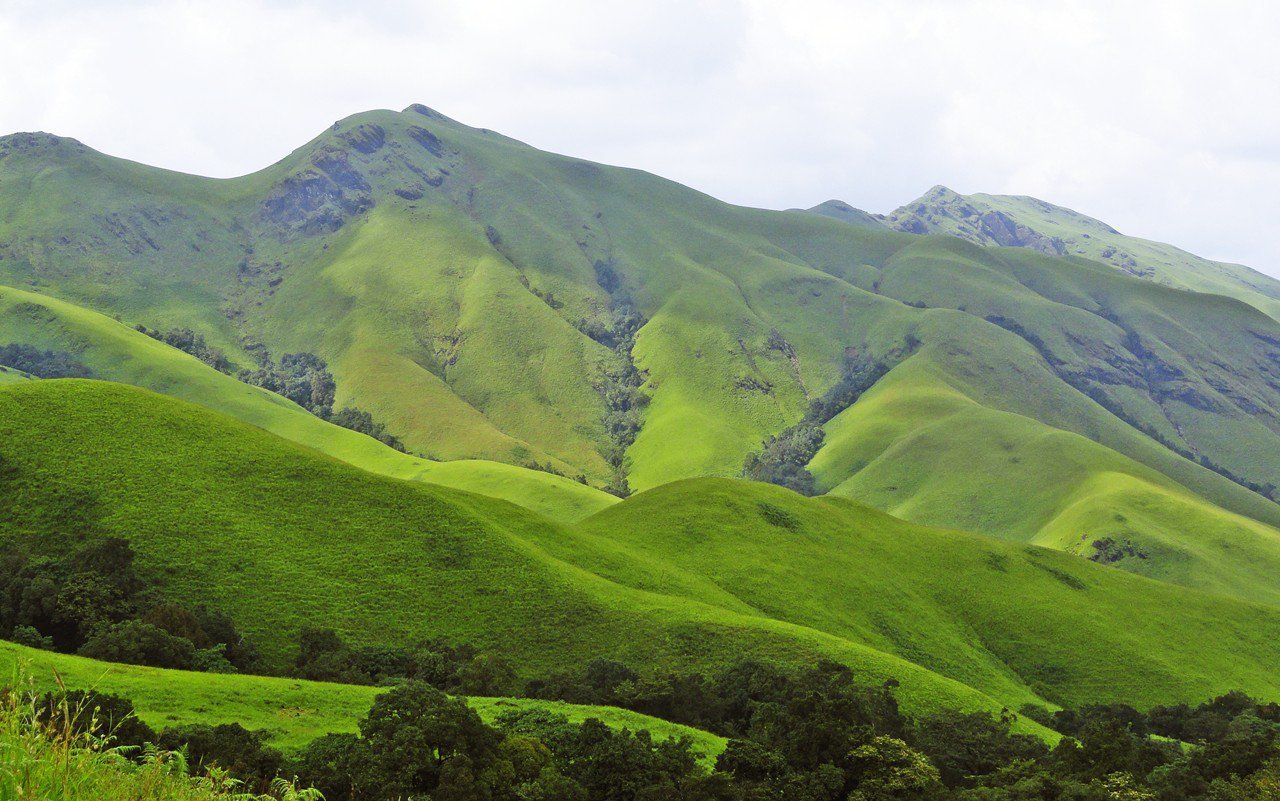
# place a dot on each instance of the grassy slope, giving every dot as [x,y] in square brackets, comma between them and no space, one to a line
[281,537]
[690,573]
[115,351]
[293,711]
[922,450]
[986,613]
[452,309]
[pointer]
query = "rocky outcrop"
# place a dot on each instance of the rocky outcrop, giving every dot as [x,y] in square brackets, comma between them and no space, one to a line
[942,211]
[320,198]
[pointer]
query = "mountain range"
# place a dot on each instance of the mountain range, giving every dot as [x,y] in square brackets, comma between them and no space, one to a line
[1043,456]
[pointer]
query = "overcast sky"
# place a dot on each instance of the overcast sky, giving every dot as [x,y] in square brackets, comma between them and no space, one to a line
[1162,118]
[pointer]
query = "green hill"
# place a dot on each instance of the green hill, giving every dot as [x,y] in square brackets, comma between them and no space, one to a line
[692,574]
[115,351]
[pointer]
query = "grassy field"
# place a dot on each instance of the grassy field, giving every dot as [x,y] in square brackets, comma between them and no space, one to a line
[692,574]
[466,289]
[292,711]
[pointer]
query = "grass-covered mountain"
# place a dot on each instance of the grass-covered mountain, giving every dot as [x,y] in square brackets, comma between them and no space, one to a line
[485,300]
[695,573]
[1019,221]
[541,334]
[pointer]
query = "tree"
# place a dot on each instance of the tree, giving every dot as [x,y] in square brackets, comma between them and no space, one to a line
[138,643]
[338,765]
[966,745]
[887,768]
[487,674]
[102,715]
[414,729]
[228,745]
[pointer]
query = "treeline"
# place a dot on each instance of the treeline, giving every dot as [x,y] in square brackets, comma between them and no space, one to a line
[94,603]
[795,734]
[42,363]
[303,378]
[188,341]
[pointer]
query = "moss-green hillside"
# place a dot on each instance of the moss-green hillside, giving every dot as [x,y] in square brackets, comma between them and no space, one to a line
[489,301]
[115,351]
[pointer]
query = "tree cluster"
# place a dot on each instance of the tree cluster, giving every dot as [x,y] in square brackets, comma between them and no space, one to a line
[621,384]
[304,378]
[42,363]
[795,734]
[94,603]
[323,656]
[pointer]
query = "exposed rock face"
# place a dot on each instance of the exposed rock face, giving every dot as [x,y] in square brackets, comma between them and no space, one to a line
[320,198]
[366,138]
[1005,231]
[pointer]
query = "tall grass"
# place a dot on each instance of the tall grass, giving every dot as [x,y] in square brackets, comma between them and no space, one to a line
[46,757]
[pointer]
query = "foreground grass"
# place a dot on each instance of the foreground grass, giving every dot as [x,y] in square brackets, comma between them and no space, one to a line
[41,762]
[293,712]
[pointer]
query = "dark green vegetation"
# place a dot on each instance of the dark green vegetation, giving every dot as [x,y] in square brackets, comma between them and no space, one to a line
[809,735]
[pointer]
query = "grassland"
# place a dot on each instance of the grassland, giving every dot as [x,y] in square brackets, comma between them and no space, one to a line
[292,711]
[115,351]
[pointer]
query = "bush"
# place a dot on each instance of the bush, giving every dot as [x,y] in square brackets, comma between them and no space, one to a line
[229,746]
[100,715]
[136,643]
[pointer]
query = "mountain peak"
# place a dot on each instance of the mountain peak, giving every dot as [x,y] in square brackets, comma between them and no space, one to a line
[40,142]
[839,210]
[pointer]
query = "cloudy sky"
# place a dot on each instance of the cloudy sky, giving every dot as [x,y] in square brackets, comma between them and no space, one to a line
[1162,117]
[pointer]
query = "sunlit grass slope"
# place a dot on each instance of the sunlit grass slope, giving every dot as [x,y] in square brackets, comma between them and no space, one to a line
[452,275]
[695,573]
[292,711]
[115,351]
[281,538]
[919,448]
[1003,616]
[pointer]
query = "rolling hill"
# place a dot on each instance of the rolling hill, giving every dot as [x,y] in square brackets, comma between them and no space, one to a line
[695,573]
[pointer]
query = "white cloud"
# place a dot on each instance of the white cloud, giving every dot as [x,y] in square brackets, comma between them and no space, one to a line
[1159,117]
